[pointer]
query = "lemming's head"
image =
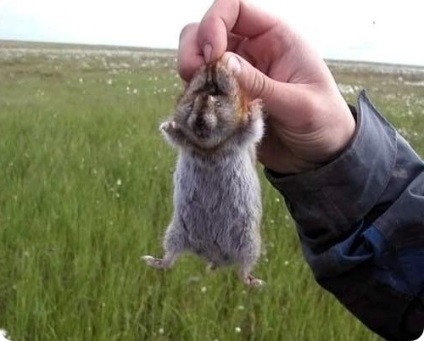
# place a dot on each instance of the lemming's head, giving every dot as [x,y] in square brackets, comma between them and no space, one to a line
[212,107]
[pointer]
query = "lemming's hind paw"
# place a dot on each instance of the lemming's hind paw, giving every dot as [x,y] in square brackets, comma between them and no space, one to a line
[153,262]
[253,282]
[211,266]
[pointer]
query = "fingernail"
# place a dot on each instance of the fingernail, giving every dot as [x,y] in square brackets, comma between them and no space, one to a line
[233,65]
[207,52]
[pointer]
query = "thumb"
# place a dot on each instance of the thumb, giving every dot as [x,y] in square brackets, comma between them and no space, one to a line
[253,81]
[278,97]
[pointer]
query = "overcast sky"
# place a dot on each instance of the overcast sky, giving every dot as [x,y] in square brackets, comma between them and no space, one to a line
[374,30]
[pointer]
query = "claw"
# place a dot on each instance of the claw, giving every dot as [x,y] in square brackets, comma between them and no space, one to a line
[211,266]
[165,126]
[153,262]
[253,281]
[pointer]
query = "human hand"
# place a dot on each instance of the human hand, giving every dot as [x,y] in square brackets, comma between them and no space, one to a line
[309,122]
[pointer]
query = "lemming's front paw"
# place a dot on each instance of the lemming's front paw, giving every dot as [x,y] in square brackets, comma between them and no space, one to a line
[172,133]
[168,126]
[153,262]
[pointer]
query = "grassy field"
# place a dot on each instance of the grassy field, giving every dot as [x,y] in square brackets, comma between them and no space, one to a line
[85,190]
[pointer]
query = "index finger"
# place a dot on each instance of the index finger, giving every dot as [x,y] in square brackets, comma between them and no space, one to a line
[230,16]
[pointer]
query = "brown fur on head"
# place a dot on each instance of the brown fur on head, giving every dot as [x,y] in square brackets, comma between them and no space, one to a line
[212,108]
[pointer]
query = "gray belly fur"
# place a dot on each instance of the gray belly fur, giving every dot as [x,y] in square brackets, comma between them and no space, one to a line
[218,207]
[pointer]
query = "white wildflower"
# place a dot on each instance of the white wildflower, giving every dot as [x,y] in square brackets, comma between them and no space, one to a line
[203,289]
[3,335]
[237,329]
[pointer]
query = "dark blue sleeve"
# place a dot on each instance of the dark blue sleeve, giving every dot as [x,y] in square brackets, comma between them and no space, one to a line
[360,220]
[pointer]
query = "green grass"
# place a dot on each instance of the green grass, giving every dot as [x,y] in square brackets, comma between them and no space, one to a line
[85,190]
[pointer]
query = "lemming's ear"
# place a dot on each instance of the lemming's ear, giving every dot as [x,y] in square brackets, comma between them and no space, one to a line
[256,104]
[255,108]
[225,81]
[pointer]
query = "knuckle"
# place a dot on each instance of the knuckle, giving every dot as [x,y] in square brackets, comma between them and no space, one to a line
[262,87]
[184,71]
[188,30]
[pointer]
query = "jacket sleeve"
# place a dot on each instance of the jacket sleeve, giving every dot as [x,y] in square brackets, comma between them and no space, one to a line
[360,220]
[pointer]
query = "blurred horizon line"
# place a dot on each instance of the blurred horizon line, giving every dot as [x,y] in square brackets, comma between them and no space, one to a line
[115,46]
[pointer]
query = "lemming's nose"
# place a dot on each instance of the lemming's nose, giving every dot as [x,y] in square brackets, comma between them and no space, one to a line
[200,121]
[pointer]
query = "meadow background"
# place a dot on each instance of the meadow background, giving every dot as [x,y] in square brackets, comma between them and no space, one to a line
[85,190]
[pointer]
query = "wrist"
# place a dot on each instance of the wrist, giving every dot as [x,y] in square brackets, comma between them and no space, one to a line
[297,157]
